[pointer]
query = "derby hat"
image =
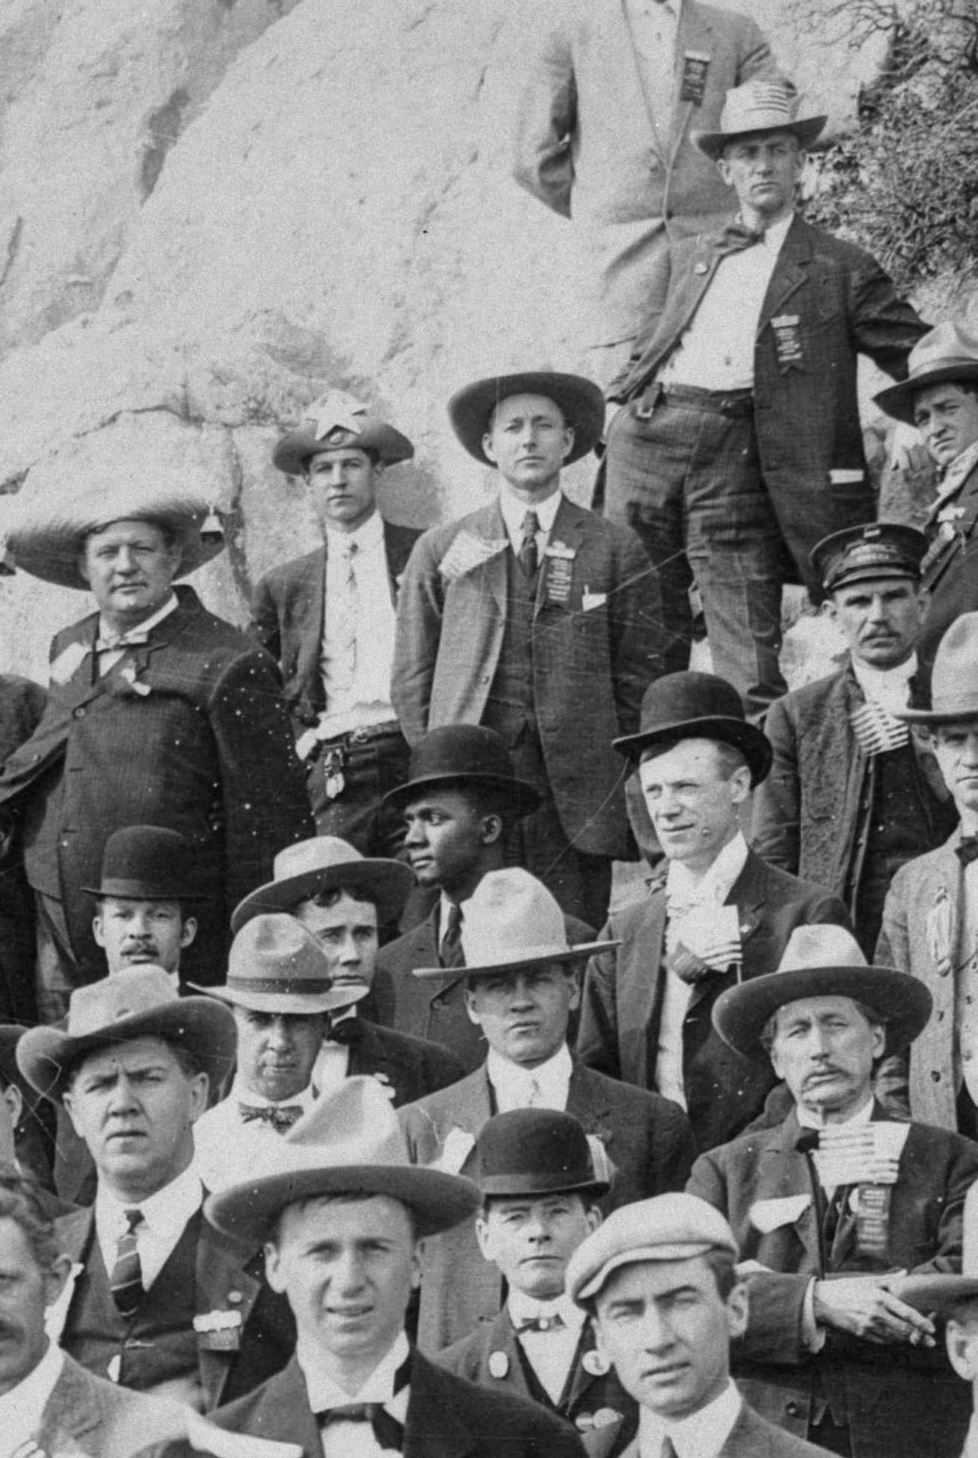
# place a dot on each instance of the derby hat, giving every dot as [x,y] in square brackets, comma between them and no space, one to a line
[943,1291]
[276,966]
[348,1143]
[946,352]
[138,1002]
[464,754]
[580,401]
[689,705]
[312,866]
[821,961]
[954,677]
[512,921]
[535,1152]
[759,106]
[866,553]
[336,421]
[666,1228]
[147,863]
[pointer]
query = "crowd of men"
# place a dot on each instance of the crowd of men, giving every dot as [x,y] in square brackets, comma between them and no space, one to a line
[342,1110]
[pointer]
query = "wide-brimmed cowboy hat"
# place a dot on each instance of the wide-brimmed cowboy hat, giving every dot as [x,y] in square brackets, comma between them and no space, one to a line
[536,1152]
[946,352]
[867,553]
[512,921]
[580,401]
[138,1002]
[276,966]
[759,106]
[312,866]
[954,677]
[336,421]
[822,961]
[147,863]
[349,1143]
[690,705]
[944,1290]
[467,754]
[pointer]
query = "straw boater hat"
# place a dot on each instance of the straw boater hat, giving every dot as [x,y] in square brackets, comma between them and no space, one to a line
[333,422]
[954,677]
[536,1152]
[581,403]
[312,866]
[666,1228]
[821,961]
[464,754]
[349,1143]
[943,1291]
[276,966]
[512,921]
[946,352]
[690,705]
[759,106]
[867,553]
[139,1002]
[147,863]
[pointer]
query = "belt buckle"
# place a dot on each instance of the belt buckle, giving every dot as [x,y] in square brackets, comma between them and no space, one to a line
[359,735]
[649,398]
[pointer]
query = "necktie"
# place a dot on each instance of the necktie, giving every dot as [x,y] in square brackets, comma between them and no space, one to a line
[344,665]
[535,1095]
[529,559]
[126,1278]
[667,1450]
[967,849]
[450,953]
[387,1430]
[348,1031]
[280,1116]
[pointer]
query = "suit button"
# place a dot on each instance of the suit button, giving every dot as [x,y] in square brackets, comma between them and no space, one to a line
[935,1075]
[78,713]
[791,1409]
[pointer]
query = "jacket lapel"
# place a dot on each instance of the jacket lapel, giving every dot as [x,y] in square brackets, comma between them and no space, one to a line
[592,1111]
[568,531]
[790,272]
[434,1428]
[222,1284]
[308,626]
[783,1173]
[284,1411]
[694,33]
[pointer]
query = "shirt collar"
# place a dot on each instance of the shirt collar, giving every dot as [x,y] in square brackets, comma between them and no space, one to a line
[775,234]
[884,685]
[109,635]
[863,1115]
[240,1091]
[502,1071]
[514,510]
[718,881]
[368,536]
[379,1387]
[21,1408]
[527,1308]
[166,1213]
[701,1435]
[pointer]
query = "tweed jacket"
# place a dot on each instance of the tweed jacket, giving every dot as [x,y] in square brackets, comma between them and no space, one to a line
[950,575]
[287,612]
[761,1184]
[750,1437]
[21,706]
[87,1414]
[827,303]
[582,138]
[622,1000]
[647,1139]
[811,814]
[593,653]
[189,732]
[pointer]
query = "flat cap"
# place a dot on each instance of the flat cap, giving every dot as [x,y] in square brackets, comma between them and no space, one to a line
[666,1228]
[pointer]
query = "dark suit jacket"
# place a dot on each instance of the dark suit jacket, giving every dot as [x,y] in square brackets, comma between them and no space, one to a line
[21,707]
[87,1414]
[287,613]
[412,1067]
[950,568]
[648,1141]
[750,1437]
[898,1398]
[622,1002]
[593,654]
[838,303]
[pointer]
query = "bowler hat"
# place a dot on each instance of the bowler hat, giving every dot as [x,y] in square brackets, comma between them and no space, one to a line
[535,1152]
[759,106]
[690,705]
[275,965]
[336,421]
[138,1002]
[348,1143]
[147,863]
[946,352]
[465,754]
[312,866]
[954,677]
[580,401]
[942,1291]
[822,961]
[673,1227]
[865,553]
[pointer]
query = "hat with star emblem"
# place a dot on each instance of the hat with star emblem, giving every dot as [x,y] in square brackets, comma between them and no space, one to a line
[334,421]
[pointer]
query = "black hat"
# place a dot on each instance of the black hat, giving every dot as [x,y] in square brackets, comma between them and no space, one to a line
[535,1152]
[580,401]
[865,553]
[464,753]
[692,705]
[147,863]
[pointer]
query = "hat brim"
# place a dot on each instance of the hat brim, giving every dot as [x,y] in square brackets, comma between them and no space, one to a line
[51,550]
[47,1055]
[936,1293]
[387,882]
[299,1004]
[806,129]
[438,1200]
[523,797]
[577,953]
[903,1002]
[965,708]
[297,448]
[751,741]
[580,400]
[501,1186]
[897,401]
[123,890]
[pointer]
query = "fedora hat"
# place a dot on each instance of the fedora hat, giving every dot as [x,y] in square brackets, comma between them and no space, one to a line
[147,863]
[349,1143]
[276,966]
[580,400]
[334,421]
[690,705]
[759,106]
[866,553]
[535,1152]
[821,961]
[312,866]
[139,1002]
[954,677]
[673,1227]
[512,921]
[946,352]
[468,754]
[943,1291]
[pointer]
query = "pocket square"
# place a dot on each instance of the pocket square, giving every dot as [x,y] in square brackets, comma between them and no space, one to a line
[590,600]
[768,1215]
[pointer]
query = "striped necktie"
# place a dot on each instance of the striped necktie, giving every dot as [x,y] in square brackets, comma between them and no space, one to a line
[126,1278]
[528,556]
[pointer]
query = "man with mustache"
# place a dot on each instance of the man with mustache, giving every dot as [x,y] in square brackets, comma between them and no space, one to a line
[146,900]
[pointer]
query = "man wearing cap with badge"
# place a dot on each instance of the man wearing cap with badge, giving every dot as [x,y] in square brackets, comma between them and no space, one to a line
[720,914]
[327,618]
[832,1208]
[156,1299]
[145,900]
[852,794]
[738,445]
[521,988]
[540,620]
[540,1193]
[940,397]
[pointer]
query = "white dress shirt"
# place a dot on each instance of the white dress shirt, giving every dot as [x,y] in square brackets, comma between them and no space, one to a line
[888,687]
[543,1087]
[355,1440]
[514,510]
[701,1435]
[165,1216]
[220,1135]
[333,1060]
[368,699]
[22,1408]
[550,1353]
[109,657]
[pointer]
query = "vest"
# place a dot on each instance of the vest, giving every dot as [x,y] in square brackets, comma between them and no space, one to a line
[510,704]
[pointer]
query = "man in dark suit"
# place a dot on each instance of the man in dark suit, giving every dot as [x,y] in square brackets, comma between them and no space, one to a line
[540,620]
[521,988]
[328,618]
[718,916]
[835,1206]
[21,706]
[156,1300]
[738,446]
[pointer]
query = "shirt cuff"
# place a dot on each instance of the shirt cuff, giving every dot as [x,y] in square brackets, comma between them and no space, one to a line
[812,1335]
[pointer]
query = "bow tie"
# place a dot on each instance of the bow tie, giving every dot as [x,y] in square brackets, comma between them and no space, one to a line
[967,849]
[737,235]
[388,1431]
[280,1116]
[348,1031]
[542,1323]
[135,639]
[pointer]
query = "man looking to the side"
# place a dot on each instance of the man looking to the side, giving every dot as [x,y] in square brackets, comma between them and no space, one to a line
[146,899]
